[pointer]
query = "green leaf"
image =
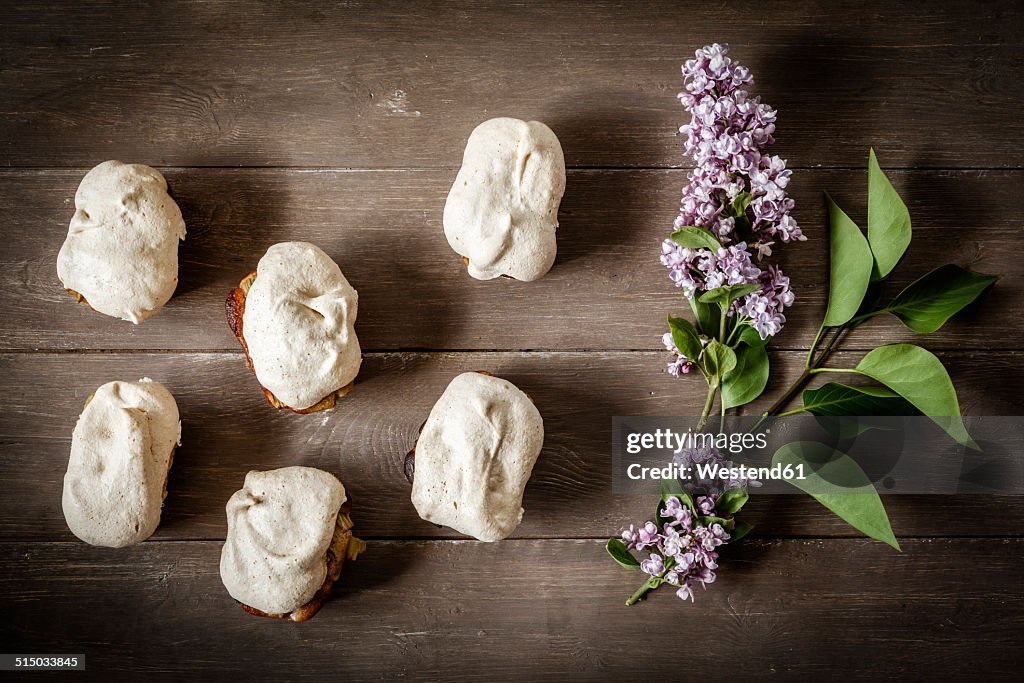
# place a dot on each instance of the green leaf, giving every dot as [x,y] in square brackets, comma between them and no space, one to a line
[617,549]
[708,317]
[685,337]
[695,238]
[839,399]
[739,206]
[836,481]
[719,360]
[726,294]
[918,376]
[751,337]
[741,530]
[867,307]
[708,520]
[850,264]
[888,221]
[926,304]
[748,379]
[731,501]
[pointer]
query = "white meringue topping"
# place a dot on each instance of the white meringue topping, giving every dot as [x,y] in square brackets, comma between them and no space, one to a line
[475,455]
[299,325]
[502,210]
[280,525]
[121,252]
[120,452]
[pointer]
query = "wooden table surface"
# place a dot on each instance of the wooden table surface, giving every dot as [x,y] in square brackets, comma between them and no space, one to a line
[344,125]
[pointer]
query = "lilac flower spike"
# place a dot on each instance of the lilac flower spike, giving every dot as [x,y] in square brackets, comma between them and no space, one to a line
[737,191]
[683,551]
[737,200]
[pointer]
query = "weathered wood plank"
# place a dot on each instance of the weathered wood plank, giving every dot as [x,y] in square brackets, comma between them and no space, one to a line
[389,85]
[434,610]
[606,291]
[229,429]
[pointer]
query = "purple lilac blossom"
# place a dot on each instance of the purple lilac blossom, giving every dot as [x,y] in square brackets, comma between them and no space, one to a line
[689,457]
[765,306]
[706,504]
[646,536]
[653,566]
[727,137]
[690,546]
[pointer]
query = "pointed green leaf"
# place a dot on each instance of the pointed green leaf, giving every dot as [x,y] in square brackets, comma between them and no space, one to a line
[888,221]
[751,337]
[850,264]
[695,238]
[918,376]
[708,520]
[748,379]
[839,399]
[739,206]
[867,306]
[617,549]
[707,315]
[741,530]
[836,481]
[731,501]
[685,337]
[926,304]
[725,295]
[719,359]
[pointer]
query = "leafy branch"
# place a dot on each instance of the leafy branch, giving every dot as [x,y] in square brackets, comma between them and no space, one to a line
[908,379]
[739,191]
[857,265]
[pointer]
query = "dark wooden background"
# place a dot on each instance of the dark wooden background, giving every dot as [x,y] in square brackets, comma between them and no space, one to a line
[344,125]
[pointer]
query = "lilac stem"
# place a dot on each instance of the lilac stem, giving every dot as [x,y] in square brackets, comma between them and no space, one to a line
[648,585]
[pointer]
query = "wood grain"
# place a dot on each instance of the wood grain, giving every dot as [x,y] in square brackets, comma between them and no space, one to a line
[228,429]
[392,85]
[466,610]
[606,291]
